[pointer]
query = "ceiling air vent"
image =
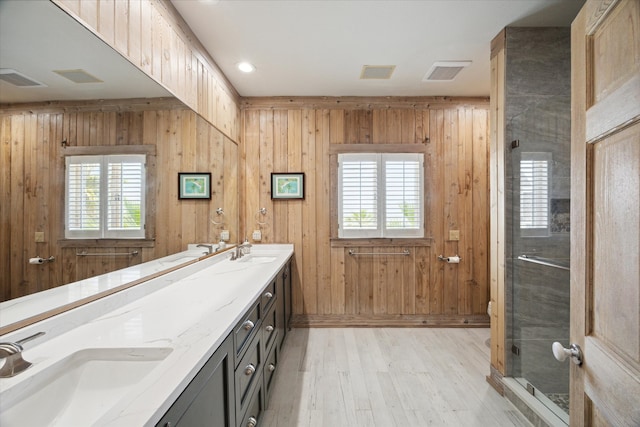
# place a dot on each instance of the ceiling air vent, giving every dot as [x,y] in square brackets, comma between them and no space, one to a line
[382,72]
[78,76]
[18,79]
[445,70]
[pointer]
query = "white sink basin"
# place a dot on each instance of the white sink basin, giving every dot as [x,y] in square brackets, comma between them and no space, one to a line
[79,389]
[257,259]
[184,256]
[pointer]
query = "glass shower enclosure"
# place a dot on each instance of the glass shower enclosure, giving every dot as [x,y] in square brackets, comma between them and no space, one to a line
[537,192]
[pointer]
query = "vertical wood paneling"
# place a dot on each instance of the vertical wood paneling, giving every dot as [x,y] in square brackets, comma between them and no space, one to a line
[309,212]
[189,162]
[435,189]
[294,208]
[251,156]
[323,209]
[465,214]
[480,227]
[56,187]
[121,26]
[134,52]
[106,20]
[89,12]
[497,209]
[151,36]
[6,206]
[266,166]
[146,38]
[331,282]
[451,190]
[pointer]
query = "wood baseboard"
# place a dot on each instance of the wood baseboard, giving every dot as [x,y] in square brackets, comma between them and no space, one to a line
[495,380]
[389,320]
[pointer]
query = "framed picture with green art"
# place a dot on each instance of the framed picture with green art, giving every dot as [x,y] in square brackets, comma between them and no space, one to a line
[287,185]
[194,185]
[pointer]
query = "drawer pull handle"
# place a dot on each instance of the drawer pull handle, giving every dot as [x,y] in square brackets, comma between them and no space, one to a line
[272,367]
[269,328]
[248,325]
[268,295]
[249,370]
[252,422]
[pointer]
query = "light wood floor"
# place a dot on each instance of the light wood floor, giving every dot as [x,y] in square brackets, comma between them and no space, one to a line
[387,377]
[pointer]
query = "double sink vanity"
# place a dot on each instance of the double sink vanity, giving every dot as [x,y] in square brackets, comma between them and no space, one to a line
[197,345]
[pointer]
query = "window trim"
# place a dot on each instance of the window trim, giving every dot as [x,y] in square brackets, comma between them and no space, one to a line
[150,152]
[337,241]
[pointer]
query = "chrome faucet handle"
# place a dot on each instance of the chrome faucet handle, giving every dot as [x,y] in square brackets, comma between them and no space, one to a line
[13,361]
[11,352]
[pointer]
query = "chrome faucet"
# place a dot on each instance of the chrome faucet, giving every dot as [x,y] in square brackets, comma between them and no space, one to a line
[209,247]
[11,352]
[240,250]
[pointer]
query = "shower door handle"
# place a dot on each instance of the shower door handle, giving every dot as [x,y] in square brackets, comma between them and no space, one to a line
[561,353]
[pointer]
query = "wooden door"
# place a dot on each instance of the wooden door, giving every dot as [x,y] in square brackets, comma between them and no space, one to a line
[605,283]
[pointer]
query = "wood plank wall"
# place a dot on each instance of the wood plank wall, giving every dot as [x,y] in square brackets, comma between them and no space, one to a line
[32,177]
[497,211]
[330,286]
[152,35]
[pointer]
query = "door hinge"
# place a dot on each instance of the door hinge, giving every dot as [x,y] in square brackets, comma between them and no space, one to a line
[515,350]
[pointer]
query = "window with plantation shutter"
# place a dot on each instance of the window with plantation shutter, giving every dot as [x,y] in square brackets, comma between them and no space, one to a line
[105,196]
[534,194]
[380,195]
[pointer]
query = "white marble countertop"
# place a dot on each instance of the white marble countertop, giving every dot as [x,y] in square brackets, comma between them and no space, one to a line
[17,309]
[190,311]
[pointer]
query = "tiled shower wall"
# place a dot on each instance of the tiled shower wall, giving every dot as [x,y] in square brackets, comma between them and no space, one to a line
[538,115]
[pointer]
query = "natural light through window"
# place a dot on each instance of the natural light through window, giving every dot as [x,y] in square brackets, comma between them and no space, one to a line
[380,195]
[534,193]
[105,196]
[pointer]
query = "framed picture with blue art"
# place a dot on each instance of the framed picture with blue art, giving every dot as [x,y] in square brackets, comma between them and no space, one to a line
[287,185]
[194,185]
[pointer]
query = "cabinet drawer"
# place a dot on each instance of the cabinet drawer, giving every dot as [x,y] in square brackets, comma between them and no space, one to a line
[269,295]
[254,410]
[248,374]
[245,330]
[270,368]
[270,326]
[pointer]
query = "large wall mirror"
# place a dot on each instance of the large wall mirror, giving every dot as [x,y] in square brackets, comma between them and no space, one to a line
[63,90]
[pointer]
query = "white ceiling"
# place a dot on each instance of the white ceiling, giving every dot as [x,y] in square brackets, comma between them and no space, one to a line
[300,47]
[311,47]
[36,37]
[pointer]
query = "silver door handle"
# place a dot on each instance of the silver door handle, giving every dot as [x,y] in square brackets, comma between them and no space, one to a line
[561,353]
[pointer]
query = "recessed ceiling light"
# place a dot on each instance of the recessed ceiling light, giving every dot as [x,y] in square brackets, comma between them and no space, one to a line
[246,67]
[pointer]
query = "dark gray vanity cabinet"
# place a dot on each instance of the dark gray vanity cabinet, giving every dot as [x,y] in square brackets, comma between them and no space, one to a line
[208,399]
[233,387]
[284,301]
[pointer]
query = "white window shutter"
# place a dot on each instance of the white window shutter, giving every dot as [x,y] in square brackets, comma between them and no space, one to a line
[358,196]
[83,192]
[380,195]
[105,197]
[534,193]
[403,195]
[125,196]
